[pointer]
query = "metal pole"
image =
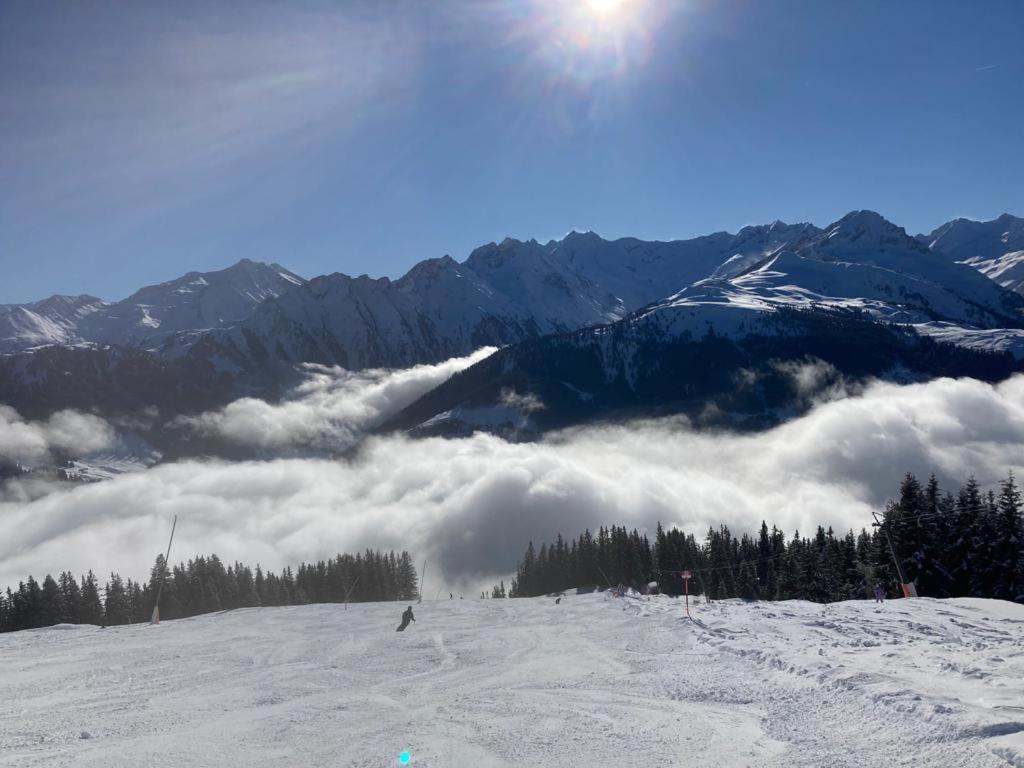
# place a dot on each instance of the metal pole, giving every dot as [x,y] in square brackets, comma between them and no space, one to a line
[155,618]
[892,550]
[423,576]
[349,593]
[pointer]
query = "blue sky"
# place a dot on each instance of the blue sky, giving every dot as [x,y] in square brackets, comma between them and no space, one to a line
[140,141]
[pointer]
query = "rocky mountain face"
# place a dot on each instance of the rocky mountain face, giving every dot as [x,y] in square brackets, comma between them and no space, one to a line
[50,321]
[502,294]
[771,366]
[860,298]
[190,305]
[995,248]
[630,313]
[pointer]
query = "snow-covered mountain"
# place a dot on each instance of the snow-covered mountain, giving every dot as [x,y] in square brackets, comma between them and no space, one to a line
[862,263]
[191,304]
[995,248]
[718,357]
[865,261]
[639,309]
[859,296]
[503,293]
[50,321]
[513,291]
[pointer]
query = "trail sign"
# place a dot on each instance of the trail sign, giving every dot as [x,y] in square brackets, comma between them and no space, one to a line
[686,583]
[687,575]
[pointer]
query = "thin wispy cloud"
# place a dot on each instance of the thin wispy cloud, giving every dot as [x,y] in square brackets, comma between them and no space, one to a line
[986,68]
[182,94]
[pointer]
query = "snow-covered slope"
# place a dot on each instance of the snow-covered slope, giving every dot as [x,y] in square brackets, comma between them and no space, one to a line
[509,292]
[1007,270]
[861,262]
[995,248]
[503,293]
[858,296]
[722,358]
[594,681]
[50,321]
[131,452]
[249,326]
[896,267]
[191,304]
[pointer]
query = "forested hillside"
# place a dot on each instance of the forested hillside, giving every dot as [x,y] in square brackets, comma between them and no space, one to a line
[204,585]
[963,545]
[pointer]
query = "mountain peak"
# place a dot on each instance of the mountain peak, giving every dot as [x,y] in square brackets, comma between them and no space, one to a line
[60,299]
[967,239]
[429,268]
[494,255]
[246,264]
[864,219]
[575,237]
[864,231]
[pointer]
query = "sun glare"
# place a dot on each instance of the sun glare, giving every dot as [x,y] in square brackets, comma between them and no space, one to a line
[605,7]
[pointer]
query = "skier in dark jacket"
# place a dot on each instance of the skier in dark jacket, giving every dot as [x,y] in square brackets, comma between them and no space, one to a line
[406,618]
[879,594]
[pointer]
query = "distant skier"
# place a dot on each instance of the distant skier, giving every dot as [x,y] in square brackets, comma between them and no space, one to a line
[406,618]
[879,594]
[558,601]
[451,596]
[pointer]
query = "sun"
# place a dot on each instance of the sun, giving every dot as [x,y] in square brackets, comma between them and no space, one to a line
[605,8]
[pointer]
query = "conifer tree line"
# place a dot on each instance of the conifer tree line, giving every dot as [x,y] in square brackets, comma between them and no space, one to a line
[204,585]
[970,544]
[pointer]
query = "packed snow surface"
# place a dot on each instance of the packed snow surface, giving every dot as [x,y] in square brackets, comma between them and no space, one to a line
[594,681]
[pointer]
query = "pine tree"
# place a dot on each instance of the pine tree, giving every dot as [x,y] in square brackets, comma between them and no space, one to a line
[721,590]
[746,584]
[1007,558]
[967,546]
[92,607]
[72,597]
[7,612]
[116,605]
[407,579]
[116,609]
[52,607]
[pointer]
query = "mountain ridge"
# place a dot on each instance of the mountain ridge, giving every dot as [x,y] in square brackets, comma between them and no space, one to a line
[191,303]
[733,286]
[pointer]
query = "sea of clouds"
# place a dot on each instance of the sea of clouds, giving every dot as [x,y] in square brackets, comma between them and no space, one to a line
[469,505]
[66,432]
[330,411]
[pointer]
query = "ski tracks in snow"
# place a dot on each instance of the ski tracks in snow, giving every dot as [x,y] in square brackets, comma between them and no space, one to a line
[843,685]
[594,681]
